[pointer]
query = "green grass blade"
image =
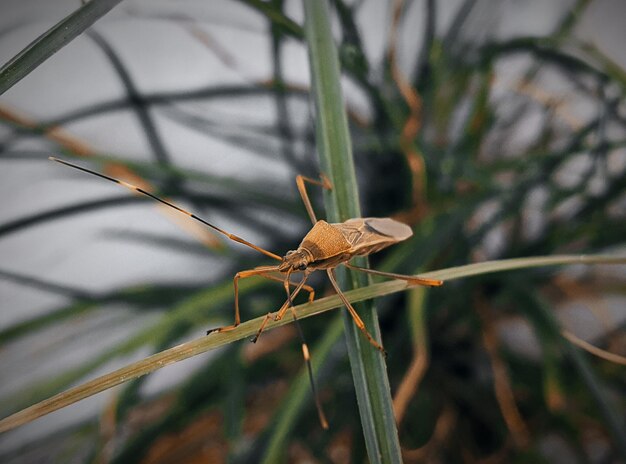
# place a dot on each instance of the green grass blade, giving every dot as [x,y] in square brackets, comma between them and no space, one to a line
[249,328]
[51,41]
[368,366]
[191,310]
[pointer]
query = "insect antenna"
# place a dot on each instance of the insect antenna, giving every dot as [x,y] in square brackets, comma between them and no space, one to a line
[171,205]
[305,352]
[305,348]
[307,360]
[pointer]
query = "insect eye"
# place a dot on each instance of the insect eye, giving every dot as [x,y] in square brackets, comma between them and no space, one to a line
[302,267]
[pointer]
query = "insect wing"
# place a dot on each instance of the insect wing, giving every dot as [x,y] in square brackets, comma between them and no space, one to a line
[369,235]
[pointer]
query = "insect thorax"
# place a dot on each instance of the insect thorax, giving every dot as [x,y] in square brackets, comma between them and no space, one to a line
[324,241]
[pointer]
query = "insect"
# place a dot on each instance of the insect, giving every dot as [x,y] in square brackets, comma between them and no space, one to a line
[323,248]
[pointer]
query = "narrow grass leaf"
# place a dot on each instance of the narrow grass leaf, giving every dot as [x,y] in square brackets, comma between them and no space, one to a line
[51,41]
[369,370]
[249,328]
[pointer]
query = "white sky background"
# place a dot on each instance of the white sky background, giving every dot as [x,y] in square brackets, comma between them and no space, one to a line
[162,55]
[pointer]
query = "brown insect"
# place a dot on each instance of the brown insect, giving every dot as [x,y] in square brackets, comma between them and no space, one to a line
[324,247]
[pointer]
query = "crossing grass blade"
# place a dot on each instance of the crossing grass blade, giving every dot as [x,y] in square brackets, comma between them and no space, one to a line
[249,328]
[51,41]
[191,310]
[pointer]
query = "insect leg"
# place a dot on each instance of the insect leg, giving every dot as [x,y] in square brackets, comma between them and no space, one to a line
[286,305]
[357,319]
[260,271]
[307,288]
[305,349]
[300,180]
[283,308]
[408,278]
[289,302]
[290,298]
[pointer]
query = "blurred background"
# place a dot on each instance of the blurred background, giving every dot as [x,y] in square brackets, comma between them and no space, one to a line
[495,129]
